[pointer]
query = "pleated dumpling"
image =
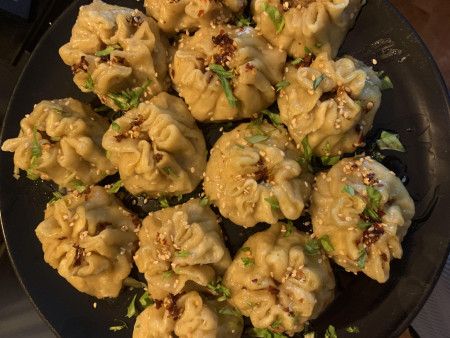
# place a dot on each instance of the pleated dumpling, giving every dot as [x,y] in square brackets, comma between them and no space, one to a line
[117,53]
[365,211]
[157,147]
[226,73]
[318,25]
[333,103]
[180,245]
[188,315]
[276,282]
[174,16]
[253,176]
[90,239]
[61,141]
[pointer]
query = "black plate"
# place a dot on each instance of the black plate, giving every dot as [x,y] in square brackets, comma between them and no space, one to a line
[418,109]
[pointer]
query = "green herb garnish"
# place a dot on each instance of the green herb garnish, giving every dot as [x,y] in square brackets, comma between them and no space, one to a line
[281,85]
[115,187]
[289,226]
[115,126]
[317,81]
[362,256]
[256,138]
[386,83]
[146,300]
[352,329]
[273,202]
[307,50]
[78,185]
[275,16]
[132,311]
[224,75]
[364,225]
[90,83]
[249,303]
[246,248]
[325,242]
[204,201]
[218,289]
[276,323]
[264,333]
[107,50]
[242,21]
[127,99]
[118,327]
[179,198]
[167,274]
[312,247]
[129,281]
[183,253]
[331,332]
[227,311]
[247,261]
[169,172]
[318,44]
[296,61]
[390,141]
[57,195]
[307,154]
[163,202]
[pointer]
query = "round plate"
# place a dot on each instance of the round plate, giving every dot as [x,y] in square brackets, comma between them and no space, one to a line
[417,108]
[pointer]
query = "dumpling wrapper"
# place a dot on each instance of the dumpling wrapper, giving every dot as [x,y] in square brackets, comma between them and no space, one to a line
[272,280]
[66,137]
[158,148]
[181,245]
[337,214]
[90,239]
[257,182]
[339,112]
[137,53]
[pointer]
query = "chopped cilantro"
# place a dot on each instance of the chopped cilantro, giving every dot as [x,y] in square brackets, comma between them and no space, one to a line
[331,332]
[102,108]
[78,185]
[296,61]
[308,335]
[146,300]
[288,229]
[264,333]
[249,303]
[107,50]
[163,202]
[240,146]
[227,311]
[62,112]
[349,190]
[218,289]
[311,247]
[275,16]
[242,21]
[204,201]
[118,327]
[276,323]
[362,256]
[390,141]
[224,75]
[246,248]
[352,329]
[35,150]
[364,225]
[56,138]
[167,274]
[183,253]
[127,99]
[325,242]
[273,202]
[274,118]
[380,73]
[374,197]
[131,310]
[318,44]
[115,187]
[115,126]
[307,154]
[57,195]
[256,138]
[169,172]
[129,281]
[90,83]
[386,83]
[248,261]
[179,198]
[317,81]
[281,85]
[307,51]
[329,160]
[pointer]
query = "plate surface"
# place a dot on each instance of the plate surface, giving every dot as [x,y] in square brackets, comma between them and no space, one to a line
[417,109]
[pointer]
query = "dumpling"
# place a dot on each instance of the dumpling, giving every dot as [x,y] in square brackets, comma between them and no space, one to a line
[117,53]
[158,148]
[188,315]
[61,141]
[90,239]
[320,26]
[332,102]
[253,176]
[365,211]
[179,245]
[276,284]
[248,68]
[174,16]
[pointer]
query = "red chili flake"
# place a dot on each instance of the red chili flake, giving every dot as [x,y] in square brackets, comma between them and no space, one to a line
[118,59]
[341,91]
[172,72]
[62,238]
[372,234]
[249,66]
[255,280]
[79,255]
[81,66]
[286,309]
[200,13]
[135,221]
[226,45]
[158,157]
[273,290]
[158,303]
[119,138]
[102,226]
[261,175]
[384,257]
[135,20]
[137,121]
[200,59]
[307,60]
[171,307]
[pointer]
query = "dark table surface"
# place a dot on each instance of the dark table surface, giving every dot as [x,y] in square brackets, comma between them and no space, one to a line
[18,318]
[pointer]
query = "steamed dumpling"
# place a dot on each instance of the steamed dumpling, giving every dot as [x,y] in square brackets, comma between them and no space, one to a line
[253,69]
[178,245]
[158,148]
[318,25]
[188,315]
[61,141]
[90,239]
[253,176]
[339,112]
[363,240]
[272,280]
[174,16]
[115,49]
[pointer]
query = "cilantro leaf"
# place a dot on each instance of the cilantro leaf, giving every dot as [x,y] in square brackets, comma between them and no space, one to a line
[349,190]
[247,261]
[281,85]
[273,201]
[386,83]
[364,225]
[118,327]
[246,248]
[57,195]
[90,83]
[317,81]
[289,226]
[318,44]
[227,311]
[78,185]
[107,50]
[390,141]
[352,329]
[274,118]
[163,202]
[242,21]
[131,310]
[275,16]
[307,50]
[115,187]
[218,289]
[325,242]
[129,281]
[374,197]
[204,201]
[276,323]
[224,75]
[362,256]
[264,333]
[249,304]
[256,138]
[183,253]
[307,155]
[146,300]
[35,149]
[167,274]
[115,126]
[331,332]
[311,247]
[296,61]
[169,172]
[127,99]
